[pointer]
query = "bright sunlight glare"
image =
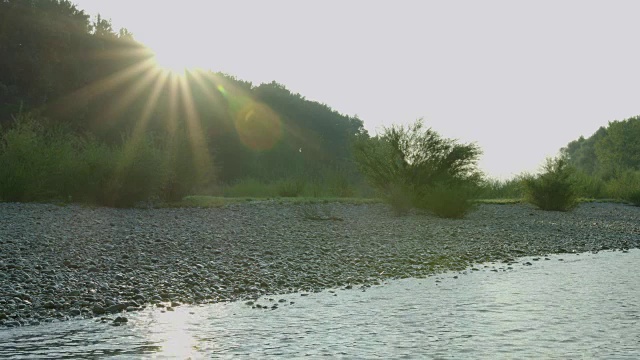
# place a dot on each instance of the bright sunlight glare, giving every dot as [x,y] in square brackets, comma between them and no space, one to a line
[170,64]
[177,58]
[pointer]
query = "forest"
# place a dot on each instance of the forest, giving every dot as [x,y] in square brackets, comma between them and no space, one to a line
[84,108]
[87,116]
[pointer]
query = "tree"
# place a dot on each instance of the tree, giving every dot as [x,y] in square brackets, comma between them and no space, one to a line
[619,150]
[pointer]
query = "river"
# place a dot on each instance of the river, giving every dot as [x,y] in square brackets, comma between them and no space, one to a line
[579,306]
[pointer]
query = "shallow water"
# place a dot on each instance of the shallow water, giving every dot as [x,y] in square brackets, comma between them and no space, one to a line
[583,306]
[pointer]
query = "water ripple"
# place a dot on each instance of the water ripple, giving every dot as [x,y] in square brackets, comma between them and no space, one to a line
[583,307]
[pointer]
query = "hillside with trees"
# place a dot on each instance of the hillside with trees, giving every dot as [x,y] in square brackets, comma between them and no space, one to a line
[86,114]
[73,90]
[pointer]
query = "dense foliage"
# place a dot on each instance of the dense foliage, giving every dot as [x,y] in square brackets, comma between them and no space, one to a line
[608,162]
[79,79]
[416,167]
[553,189]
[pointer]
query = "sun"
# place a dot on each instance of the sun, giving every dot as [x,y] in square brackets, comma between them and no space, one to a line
[176,58]
[174,64]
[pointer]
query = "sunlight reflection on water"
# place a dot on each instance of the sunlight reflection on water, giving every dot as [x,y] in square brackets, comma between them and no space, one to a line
[586,306]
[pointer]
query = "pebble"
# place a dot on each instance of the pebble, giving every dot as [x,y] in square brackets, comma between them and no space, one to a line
[85,261]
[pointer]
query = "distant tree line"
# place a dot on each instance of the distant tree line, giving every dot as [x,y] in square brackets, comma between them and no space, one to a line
[610,151]
[608,162]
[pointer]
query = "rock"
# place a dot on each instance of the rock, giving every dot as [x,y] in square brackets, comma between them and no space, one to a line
[115,308]
[49,305]
[192,255]
[120,320]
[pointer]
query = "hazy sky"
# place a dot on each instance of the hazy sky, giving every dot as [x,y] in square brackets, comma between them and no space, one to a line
[520,78]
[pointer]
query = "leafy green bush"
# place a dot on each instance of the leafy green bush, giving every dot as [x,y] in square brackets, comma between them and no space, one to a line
[36,163]
[553,189]
[339,185]
[400,198]
[588,186]
[502,189]
[626,186]
[138,175]
[43,163]
[189,168]
[289,187]
[449,201]
[414,167]
[249,187]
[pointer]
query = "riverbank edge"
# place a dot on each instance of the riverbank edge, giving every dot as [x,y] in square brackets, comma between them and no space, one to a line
[451,260]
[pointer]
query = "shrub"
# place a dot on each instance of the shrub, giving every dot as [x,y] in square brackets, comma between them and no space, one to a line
[339,184]
[189,168]
[588,186]
[553,189]
[626,186]
[38,163]
[448,200]
[44,163]
[249,187]
[411,166]
[400,198]
[139,174]
[502,189]
[315,188]
[289,187]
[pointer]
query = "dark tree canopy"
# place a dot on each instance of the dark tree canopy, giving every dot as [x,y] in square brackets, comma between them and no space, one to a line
[92,79]
[609,150]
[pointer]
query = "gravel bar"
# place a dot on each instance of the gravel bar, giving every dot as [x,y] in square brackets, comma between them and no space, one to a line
[63,262]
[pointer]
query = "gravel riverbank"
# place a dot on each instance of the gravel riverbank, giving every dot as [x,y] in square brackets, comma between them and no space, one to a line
[62,262]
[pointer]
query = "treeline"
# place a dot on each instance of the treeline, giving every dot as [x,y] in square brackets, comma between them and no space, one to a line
[608,162]
[87,115]
[77,88]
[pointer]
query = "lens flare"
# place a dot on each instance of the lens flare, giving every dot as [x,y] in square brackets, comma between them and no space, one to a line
[258,127]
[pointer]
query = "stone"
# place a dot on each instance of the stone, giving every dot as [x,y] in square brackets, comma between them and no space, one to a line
[115,308]
[120,320]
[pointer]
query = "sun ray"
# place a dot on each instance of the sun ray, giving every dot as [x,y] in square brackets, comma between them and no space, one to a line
[199,148]
[200,81]
[129,96]
[172,122]
[149,106]
[81,96]
[136,51]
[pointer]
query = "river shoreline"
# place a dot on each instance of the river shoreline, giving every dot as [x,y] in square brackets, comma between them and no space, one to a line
[58,263]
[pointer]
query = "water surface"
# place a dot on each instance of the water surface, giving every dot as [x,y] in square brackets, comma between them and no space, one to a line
[570,306]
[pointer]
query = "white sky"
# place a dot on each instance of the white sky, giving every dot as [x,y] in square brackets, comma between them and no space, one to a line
[520,78]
